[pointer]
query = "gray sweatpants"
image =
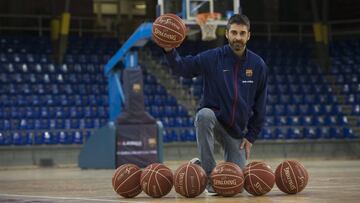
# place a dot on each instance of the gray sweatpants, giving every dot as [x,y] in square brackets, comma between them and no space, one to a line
[208,128]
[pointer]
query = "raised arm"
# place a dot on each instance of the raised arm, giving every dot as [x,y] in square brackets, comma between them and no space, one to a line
[188,67]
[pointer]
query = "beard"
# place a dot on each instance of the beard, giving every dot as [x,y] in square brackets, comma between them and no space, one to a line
[237,45]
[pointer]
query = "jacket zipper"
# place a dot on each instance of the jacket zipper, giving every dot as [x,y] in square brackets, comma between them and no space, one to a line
[235,93]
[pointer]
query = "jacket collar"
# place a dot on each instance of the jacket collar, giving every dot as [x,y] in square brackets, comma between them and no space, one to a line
[231,53]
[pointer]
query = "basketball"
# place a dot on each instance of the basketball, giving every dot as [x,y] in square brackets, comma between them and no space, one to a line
[291,177]
[190,180]
[156,180]
[259,178]
[126,180]
[227,179]
[168,31]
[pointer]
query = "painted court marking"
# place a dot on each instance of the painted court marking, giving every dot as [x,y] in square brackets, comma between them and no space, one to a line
[69,198]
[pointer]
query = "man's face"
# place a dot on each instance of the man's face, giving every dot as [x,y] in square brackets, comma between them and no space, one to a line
[237,35]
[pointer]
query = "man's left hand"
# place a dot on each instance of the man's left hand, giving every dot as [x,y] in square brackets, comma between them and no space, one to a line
[245,143]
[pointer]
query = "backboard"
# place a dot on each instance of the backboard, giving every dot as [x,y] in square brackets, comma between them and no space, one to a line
[188,9]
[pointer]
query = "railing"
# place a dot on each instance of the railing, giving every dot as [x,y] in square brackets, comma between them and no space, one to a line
[85,25]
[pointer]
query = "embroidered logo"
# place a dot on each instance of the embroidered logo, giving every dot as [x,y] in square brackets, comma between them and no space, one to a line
[248,72]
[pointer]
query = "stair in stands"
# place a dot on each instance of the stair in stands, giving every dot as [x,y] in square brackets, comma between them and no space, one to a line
[165,78]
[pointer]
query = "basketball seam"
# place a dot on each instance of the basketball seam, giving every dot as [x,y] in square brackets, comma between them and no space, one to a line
[227,175]
[252,185]
[152,171]
[181,35]
[172,16]
[256,164]
[281,177]
[128,178]
[130,190]
[167,41]
[304,171]
[158,185]
[262,171]
[186,179]
[261,181]
[198,180]
[295,178]
[118,170]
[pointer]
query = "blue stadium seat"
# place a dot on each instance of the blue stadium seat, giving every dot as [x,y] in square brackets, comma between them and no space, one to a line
[5,139]
[279,110]
[292,110]
[65,138]
[294,133]
[77,137]
[310,133]
[331,121]
[347,132]
[269,110]
[333,133]
[343,120]
[266,134]
[181,111]
[21,138]
[191,136]
[50,137]
[355,110]
[170,111]
[293,120]
[279,133]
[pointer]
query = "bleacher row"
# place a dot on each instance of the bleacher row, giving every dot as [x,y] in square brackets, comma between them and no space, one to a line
[44,103]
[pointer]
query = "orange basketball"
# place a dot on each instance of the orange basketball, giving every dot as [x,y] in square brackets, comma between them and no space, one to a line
[126,180]
[190,180]
[291,177]
[156,180]
[168,31]
[227,179]
[259,178]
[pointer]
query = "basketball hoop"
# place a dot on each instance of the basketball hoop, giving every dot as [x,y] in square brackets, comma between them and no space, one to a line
[208,25]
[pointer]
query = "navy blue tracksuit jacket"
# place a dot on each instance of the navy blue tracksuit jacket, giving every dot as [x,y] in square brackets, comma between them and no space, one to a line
[234,88]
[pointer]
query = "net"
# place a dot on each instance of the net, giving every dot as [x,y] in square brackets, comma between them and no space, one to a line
[208,25]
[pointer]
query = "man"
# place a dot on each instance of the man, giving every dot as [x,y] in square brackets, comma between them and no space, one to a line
[232,107]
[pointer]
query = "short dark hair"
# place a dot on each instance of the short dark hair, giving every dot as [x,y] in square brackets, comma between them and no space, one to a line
[239,19]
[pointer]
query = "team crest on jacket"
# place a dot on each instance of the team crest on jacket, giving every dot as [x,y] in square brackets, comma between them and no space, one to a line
[249,72]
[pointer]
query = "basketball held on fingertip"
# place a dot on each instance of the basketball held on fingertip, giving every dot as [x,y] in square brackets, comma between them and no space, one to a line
[291,177]
[168,31]
[259,178]
[227,179]
[190,180]
[156,180]
[126,180]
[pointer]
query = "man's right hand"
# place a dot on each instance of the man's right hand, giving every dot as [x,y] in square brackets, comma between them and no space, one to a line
[168,49]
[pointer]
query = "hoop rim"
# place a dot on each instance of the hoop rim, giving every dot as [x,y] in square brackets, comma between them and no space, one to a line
[202,18]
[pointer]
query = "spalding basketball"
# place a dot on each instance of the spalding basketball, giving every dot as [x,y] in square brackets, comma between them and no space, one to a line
[168,31]
[126,180]
[156,180]
[291,177]
[227,179]
[259,178]
[190,180]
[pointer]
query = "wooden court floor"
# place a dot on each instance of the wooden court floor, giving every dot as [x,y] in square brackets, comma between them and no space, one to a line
[330,181]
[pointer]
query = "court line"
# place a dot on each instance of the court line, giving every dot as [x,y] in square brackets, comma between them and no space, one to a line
[68,198]
[333,186]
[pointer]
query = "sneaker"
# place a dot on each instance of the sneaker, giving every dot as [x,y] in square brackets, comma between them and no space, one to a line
[210,191]
[195,161]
